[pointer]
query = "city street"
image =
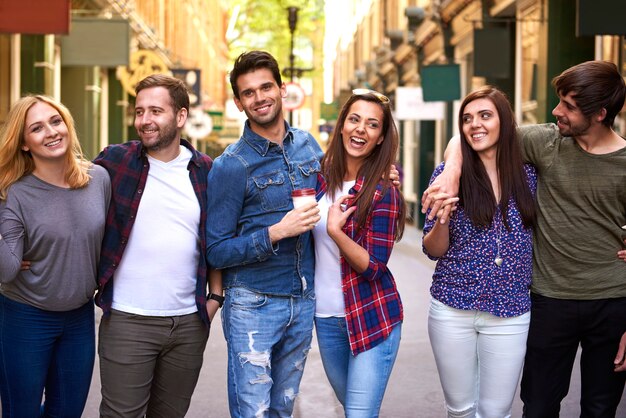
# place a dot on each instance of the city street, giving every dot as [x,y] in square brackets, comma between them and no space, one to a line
[128,84]
[413,391]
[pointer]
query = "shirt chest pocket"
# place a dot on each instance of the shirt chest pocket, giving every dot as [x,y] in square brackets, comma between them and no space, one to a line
[273,191]
[310,168]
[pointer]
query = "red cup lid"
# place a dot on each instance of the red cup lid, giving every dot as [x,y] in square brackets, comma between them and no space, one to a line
[303,192]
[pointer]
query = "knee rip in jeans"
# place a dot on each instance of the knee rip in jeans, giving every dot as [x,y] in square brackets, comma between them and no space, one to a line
[290,395]
[299,364]
[263,408]
[466,413]
[256,358]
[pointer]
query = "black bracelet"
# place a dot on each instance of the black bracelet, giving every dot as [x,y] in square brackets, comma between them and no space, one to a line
[219,299]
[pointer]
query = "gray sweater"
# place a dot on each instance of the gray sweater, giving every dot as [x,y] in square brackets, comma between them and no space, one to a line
[60,231]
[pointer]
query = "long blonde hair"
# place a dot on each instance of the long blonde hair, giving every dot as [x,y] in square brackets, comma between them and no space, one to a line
[16,163]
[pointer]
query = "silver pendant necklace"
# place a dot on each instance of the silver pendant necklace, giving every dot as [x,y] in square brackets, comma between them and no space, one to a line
[498,260]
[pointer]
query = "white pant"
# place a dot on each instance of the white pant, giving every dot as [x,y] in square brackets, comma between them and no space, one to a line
[479,357]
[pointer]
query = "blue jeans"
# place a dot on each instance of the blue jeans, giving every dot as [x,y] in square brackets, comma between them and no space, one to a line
[268,341]
[45,350]
[359,381]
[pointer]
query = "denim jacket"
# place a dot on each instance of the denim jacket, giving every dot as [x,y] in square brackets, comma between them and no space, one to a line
[250,189]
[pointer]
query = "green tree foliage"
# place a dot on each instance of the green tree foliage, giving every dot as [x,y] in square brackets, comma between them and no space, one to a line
[263,24]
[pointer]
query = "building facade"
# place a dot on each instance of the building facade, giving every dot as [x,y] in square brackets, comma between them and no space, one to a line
[90,54]
[447,48]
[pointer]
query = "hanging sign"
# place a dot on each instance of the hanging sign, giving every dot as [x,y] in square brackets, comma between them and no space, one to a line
[142,64]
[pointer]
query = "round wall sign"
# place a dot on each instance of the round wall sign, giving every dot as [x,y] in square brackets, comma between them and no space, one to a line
[295,96]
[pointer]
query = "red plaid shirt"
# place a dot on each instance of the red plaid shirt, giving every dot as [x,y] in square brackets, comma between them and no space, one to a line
[128,167]
[372,302]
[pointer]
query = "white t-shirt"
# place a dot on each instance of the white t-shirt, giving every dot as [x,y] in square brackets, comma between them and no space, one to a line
[157,273]
[328,290]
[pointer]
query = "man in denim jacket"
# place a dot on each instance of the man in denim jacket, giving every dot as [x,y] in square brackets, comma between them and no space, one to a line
[264,245]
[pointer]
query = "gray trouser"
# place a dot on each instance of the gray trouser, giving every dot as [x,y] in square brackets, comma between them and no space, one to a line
[149,365]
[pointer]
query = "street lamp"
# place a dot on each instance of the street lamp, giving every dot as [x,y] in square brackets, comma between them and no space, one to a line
[292,71]
[293,21]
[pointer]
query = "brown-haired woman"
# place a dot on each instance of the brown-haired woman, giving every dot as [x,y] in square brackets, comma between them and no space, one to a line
[479,314]
[358,309]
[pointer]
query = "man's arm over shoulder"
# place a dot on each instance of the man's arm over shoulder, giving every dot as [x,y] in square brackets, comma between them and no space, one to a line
[534,139]
[117,154]
[106,156]
[109,158]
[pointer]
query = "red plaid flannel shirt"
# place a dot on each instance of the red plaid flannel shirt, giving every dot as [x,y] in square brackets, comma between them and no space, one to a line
[128,167]
[372,301]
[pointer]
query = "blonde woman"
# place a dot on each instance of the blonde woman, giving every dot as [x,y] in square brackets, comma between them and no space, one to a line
[53,204]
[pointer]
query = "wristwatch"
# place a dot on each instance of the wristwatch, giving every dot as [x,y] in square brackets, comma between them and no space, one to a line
[219,299]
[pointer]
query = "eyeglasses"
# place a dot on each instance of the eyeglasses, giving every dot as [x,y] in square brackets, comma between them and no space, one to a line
[360,92]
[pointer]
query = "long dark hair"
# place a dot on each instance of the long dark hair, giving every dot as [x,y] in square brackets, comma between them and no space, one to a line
[375,166]
[476,193]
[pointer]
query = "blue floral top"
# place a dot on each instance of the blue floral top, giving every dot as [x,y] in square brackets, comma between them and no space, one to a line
[467,277]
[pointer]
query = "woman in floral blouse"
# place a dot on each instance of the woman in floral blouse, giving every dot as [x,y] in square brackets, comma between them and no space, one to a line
[479,314]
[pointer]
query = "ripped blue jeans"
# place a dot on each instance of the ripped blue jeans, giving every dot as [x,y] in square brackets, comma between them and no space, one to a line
[268,341]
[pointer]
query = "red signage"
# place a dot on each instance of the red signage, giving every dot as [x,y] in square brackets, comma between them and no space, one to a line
[36,17]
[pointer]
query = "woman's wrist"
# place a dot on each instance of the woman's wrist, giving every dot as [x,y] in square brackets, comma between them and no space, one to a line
[334,233]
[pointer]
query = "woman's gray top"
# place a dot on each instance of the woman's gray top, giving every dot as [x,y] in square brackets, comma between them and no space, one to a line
[60,232]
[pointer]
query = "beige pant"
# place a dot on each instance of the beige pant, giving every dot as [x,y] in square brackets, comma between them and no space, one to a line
[149,366]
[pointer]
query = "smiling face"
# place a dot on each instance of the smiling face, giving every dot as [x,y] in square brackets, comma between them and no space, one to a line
[481,125]
[362,131]
[261,98]
[569,118]
[156,121]
[45,134]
